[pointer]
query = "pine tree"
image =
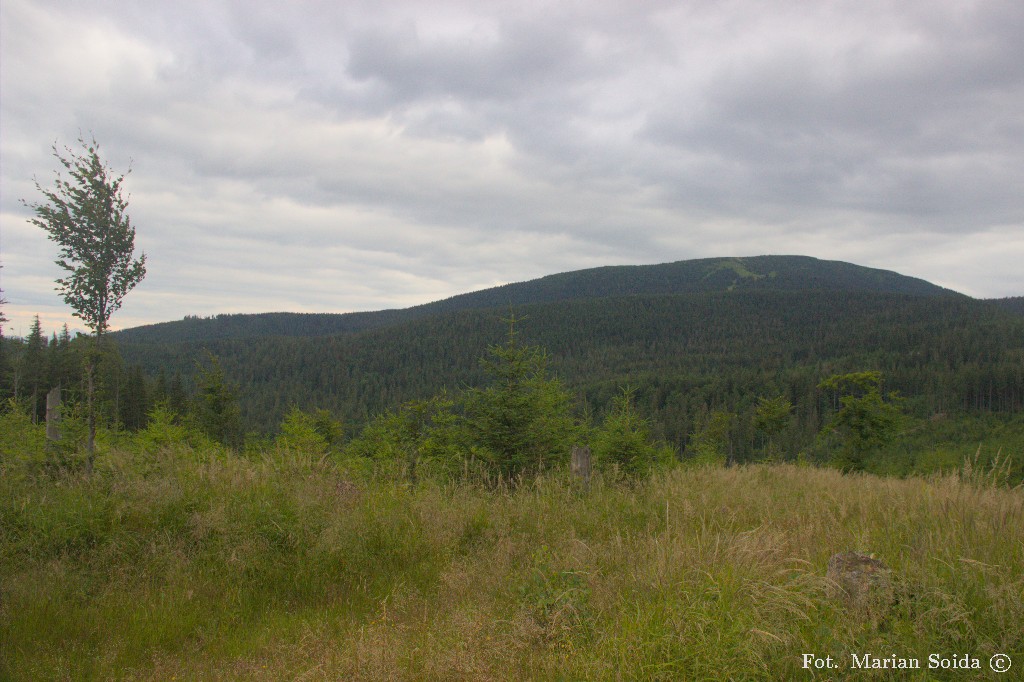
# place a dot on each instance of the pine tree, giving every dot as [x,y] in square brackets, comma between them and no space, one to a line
[771,417]
[624,439]
[523,419]
[216,406]
[33,370]
[134,402]
[177,399]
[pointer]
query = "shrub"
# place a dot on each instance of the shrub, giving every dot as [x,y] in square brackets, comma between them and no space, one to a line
[299,432]
[624,440]
[523,420]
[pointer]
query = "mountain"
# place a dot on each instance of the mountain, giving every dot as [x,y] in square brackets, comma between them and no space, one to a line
[690,337]
[708,275]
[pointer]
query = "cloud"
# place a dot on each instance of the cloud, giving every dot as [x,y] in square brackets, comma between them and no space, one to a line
[353,156]
[887,117]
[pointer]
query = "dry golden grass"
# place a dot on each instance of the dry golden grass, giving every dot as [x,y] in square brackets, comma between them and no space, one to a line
[226,568]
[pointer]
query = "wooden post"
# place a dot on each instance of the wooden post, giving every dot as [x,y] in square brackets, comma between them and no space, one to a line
[580,465]
[53,414]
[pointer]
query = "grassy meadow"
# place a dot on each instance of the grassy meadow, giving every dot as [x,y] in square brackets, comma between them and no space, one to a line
[188,563]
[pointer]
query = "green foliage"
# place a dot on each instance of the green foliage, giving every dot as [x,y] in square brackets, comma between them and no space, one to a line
[706,276]
[134,400]
[122,393]
[432,437]
[86,215]
[771,417]
[304,432]
[623,440]
[66,453]
[33,370]
[685,354]
[327,427]
[710,443]
[421,437]
[18,435]
[164,430]
[215,407]
[23,444]
[522,419]
[865,421]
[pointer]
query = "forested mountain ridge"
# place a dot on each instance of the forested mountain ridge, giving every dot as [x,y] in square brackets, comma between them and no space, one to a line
[686,354]
[707,275]
[697,341]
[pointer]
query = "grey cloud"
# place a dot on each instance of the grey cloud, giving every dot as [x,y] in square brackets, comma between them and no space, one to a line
[362,154]
[503,66]
[909,131]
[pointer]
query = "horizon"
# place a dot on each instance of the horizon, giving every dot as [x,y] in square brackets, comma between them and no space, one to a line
[73,330]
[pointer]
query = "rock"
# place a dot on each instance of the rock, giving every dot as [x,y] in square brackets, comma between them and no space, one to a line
[861,578]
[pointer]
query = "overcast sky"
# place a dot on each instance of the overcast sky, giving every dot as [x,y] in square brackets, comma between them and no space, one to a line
[349,155]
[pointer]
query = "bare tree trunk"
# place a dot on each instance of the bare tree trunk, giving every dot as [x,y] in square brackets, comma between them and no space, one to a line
[90,442]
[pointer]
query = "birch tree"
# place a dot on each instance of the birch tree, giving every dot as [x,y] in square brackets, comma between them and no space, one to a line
[85,214]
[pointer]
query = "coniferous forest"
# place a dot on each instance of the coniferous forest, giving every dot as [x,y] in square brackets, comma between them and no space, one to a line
[693,342]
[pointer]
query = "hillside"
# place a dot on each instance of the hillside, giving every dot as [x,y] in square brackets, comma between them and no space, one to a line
[402,546]
[709,275]
[692,338]
[686,354]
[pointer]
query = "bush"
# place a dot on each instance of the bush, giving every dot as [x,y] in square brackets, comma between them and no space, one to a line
[165,432]
[299,432]
[19,437]
[710,442]
[624,440]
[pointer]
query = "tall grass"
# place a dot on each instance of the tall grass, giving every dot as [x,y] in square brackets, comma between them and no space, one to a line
[194,564]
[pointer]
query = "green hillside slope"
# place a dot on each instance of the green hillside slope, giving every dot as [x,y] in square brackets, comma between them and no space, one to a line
[693,338]
[686,354]
[709,275]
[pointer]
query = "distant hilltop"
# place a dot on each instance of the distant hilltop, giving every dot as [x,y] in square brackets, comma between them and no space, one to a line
[704,275]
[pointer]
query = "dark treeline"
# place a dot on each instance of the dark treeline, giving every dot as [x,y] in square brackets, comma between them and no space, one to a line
[688,357]
[32,366]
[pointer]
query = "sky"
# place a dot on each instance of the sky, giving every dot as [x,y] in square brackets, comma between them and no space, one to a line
[317,156]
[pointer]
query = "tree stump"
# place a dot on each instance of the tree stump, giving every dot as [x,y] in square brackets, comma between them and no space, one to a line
[53,414]
[580,464]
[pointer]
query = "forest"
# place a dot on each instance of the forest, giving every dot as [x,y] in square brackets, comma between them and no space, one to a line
[696,364]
